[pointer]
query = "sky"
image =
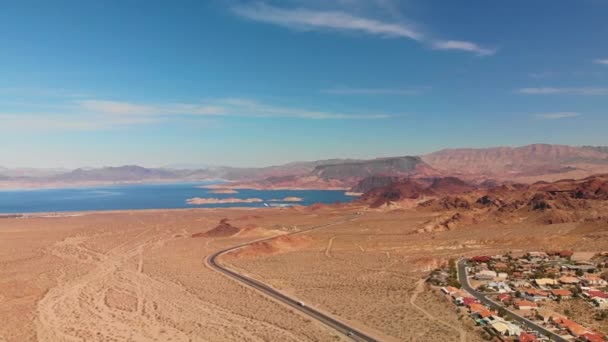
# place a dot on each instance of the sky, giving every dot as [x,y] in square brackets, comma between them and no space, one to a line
[254,83]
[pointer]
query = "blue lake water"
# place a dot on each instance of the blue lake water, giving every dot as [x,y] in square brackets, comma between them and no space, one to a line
[148,196]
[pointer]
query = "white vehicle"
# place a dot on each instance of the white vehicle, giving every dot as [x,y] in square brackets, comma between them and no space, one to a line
[301,304]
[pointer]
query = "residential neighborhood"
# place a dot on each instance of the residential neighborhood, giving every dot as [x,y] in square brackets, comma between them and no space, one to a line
[532,296]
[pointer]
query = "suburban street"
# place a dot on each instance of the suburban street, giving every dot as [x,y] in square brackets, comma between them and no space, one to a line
[464,281]
[293,303]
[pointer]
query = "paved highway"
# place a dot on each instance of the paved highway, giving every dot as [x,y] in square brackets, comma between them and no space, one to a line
[295,304]
[464,281]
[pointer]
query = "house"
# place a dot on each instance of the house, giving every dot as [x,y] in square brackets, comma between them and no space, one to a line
[505,328]
[525,337]
[481,258]
[535,295]
[568,280]
[591,294]
[561,293]
[503,298]
[593,280]
[483,314]
[574,328]
[476,307]
[485,275]
[501,267]
[523,304]
[537,255]
[592,337]
[545,281]
[503,275]
[518,275]
[466,301]
[561,254]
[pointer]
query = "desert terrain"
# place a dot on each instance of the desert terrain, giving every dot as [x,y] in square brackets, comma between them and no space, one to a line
[137,276]
[141,275]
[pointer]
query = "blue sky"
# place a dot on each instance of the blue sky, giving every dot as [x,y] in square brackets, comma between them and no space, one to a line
[251,83]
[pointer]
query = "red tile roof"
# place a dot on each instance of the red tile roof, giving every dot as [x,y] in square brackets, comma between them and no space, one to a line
[561,292]
[593,337]
[504,297]
[467,301]
[597,294]
[574,328]
[523,302]
[525,337]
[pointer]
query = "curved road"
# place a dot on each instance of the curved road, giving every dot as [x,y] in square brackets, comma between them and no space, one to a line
[464,281]
[295,304]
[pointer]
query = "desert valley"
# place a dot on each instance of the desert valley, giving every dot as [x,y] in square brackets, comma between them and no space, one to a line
[370,264]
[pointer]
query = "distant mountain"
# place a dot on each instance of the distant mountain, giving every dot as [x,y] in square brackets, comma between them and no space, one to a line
[526,164]
[603,149]
[361,169]
[345,174]
[129,173]
[538,160]
[29,172]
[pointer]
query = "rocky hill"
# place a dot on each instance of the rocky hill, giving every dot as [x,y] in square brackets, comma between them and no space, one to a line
[565,201]
[401,189]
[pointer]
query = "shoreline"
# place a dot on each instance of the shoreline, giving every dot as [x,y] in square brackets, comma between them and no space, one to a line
[52,214]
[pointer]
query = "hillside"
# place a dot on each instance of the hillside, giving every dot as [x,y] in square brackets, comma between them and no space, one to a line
[345,175]
[402,189]
[528,163]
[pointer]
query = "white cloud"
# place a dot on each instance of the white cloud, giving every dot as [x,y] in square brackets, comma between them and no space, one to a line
[307,19]
[557,115]
[463,46]
[603,61]
[570,91]
[102,114]
[375,91]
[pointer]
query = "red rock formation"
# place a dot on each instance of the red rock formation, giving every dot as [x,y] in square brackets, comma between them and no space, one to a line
[223,229]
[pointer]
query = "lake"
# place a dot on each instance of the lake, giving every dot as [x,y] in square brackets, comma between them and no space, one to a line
[148,196]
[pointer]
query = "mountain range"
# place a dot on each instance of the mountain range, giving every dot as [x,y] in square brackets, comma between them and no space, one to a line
[525,164]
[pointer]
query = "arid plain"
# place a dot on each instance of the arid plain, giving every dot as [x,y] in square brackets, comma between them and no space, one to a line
[141,275]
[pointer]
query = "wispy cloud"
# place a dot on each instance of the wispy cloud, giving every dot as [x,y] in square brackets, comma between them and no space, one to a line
[305,19]
[309,19]
[603,61]
[556,116]
[138,109]
[376,91]
[252,108]
[463,46]
[569,90]
[94,114]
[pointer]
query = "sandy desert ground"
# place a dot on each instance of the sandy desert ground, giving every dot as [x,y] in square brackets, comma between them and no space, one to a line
[140,276]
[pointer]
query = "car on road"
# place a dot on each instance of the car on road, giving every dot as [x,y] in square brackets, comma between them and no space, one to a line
[301,304]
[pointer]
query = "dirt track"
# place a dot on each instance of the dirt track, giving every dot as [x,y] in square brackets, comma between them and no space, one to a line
[143,281]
